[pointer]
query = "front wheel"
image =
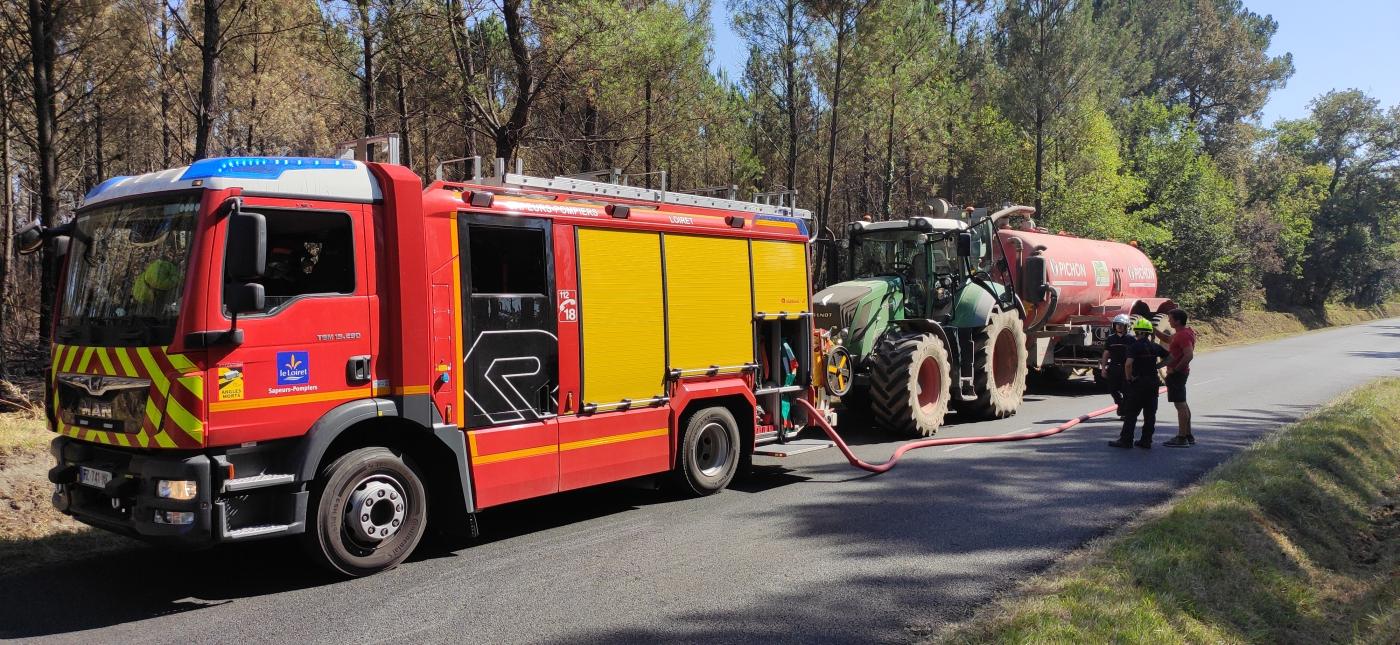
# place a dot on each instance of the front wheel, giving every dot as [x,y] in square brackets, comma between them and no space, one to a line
[370,511]
[910,384]
[710,451]
[999,365]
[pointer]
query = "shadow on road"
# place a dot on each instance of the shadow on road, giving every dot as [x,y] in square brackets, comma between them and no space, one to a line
[997,502]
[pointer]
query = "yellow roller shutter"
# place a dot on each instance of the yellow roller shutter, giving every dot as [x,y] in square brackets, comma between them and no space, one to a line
[708,304]
[624,353]
[779,277]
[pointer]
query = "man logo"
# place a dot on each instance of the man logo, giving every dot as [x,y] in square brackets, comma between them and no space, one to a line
[293,368]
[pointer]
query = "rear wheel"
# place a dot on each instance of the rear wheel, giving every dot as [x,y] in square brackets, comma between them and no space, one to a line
[710,451]
[370,512]
[910,384]
[999,368]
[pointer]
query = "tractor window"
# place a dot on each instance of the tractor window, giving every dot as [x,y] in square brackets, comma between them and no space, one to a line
[308,253]
[508,260]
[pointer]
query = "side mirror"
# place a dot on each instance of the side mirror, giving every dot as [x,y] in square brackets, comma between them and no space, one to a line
[244,298]
[30,239]
[247,246]
[964,244]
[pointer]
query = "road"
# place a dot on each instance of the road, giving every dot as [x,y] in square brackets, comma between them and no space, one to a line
[807,550]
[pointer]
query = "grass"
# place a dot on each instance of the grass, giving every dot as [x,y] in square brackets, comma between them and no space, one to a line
[32,532]
[1254,325]
[1295,540]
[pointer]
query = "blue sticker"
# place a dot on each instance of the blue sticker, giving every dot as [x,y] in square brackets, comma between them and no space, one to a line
[293,368]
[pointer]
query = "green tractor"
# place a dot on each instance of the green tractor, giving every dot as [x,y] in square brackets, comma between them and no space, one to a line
[920,327]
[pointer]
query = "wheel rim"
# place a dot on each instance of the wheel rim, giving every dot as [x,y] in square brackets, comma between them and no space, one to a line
[712,449]
[375,510]
[930,385]
[1004,360]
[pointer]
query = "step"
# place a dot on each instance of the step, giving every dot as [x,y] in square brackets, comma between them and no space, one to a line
[791,448]
[258,481]
[255,531]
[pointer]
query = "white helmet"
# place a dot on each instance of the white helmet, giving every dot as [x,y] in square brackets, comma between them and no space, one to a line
[1122,319]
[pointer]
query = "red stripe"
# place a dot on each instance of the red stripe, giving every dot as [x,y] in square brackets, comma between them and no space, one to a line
[187,399]
[178,435]
[163,361]
[110,360]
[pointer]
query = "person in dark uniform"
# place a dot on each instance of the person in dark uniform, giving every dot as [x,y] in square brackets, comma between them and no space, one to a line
[1145,357]
[1115,352]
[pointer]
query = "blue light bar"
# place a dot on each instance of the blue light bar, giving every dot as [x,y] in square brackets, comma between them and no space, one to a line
[260,167]
[102,186]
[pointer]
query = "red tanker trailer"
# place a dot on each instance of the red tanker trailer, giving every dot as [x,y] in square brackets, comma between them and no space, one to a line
[1072,288]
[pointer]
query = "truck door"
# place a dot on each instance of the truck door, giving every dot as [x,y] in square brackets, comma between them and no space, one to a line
[510,356]
[295,362]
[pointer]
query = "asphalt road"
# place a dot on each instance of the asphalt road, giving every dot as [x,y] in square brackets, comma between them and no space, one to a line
[808,550]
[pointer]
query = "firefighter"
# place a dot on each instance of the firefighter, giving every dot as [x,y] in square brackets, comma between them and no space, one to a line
[1115,352]
[1145,357]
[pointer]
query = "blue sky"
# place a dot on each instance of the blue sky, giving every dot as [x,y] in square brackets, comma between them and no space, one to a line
[1335,44]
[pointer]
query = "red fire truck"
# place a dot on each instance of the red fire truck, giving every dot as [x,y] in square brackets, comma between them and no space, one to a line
[259,347]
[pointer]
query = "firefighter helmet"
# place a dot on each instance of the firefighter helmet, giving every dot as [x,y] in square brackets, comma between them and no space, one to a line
[1143,325]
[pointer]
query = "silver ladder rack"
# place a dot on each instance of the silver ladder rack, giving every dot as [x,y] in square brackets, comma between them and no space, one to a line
[602,189]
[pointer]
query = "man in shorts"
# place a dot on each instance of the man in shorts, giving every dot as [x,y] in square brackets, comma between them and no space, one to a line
[1181,348]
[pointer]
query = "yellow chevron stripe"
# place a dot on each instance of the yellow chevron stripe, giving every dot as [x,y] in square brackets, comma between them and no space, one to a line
[152,369]
[128,369]
[87,358]
[143,439]
[191,425]
[106,361]
[57,352]
[68,359]
[121,439]
[163,440]
[180,361]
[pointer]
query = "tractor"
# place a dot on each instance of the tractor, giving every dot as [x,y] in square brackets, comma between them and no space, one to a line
[919,326]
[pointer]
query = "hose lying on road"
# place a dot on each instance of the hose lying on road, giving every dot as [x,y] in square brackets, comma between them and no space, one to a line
[820,420]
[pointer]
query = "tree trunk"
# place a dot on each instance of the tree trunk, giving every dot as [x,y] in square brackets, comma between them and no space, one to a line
[367,81]
[790,90]
[1039,159]
[43,46]
[508,136]
[823,214]
[646,132]
[208,80]
[7,219]
[885,198]
[406,154]
[164,88]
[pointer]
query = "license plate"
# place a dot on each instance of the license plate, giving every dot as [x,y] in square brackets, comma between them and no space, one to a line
[93,477]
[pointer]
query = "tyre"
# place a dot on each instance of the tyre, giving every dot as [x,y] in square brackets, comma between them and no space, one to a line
[910,384]
[370,511]
[1161,322]
[710,451]
[999,368]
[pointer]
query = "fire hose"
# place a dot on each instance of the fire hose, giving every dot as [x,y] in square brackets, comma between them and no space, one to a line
[820,420]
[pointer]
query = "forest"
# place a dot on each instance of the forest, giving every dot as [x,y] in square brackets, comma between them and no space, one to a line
[1120,119]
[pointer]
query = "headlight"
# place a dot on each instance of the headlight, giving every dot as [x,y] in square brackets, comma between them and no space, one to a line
[182,489]
[173,517]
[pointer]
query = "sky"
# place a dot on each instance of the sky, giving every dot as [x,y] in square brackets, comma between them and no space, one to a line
[1336,44]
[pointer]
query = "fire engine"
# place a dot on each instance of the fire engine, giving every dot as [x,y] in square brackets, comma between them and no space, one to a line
[256,347]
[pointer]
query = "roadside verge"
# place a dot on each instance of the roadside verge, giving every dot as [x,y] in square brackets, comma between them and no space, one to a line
[1296,539]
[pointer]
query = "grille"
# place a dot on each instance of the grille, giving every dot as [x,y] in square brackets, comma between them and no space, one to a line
[112,403]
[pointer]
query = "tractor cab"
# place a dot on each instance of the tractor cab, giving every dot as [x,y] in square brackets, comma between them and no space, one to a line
[917,257]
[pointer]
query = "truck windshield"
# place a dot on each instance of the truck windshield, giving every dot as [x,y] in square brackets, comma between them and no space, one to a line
[126,270]
[899,253]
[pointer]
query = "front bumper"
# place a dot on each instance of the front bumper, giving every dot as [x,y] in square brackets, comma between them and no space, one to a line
[128,504]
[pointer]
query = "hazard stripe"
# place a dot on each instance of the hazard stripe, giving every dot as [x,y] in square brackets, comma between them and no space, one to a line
[68,358]
[180,361]
[87,357]
[152,369]
[121,439]
[163,440]
[127,368]
[106,360]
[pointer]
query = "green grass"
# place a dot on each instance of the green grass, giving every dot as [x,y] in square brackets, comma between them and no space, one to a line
[23,432]
[1295,540]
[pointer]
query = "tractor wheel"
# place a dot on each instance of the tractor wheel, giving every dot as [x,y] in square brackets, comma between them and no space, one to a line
[910,384]
[999,368]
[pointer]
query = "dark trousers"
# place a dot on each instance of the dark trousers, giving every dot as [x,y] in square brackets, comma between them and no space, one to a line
[1115,382]
[1140,396]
